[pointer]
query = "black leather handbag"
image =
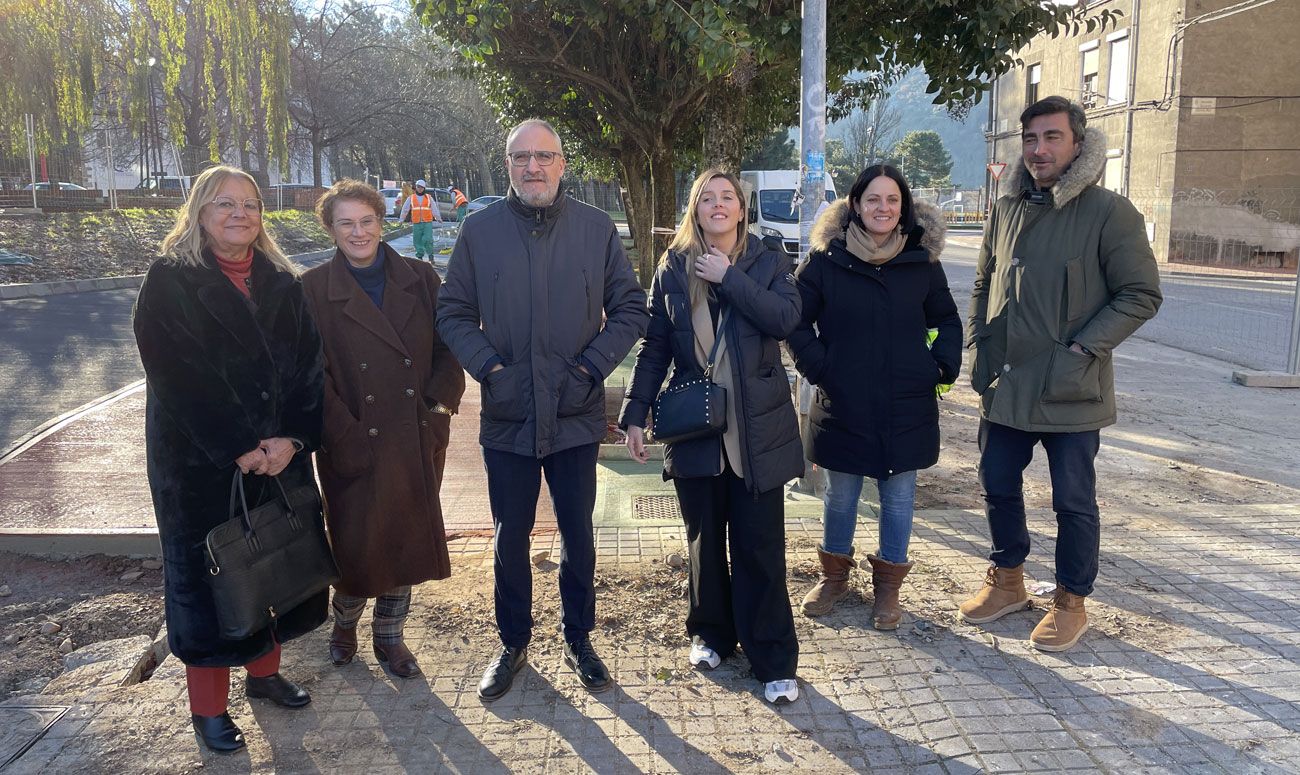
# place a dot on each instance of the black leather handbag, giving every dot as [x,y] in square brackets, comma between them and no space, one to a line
[695,408]
[268,560]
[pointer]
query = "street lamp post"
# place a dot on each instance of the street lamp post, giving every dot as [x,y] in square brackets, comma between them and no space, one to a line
[150,137]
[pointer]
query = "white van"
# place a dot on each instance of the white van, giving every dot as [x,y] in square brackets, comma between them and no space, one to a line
[770,193]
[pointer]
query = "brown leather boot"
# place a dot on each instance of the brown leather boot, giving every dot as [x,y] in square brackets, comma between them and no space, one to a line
[1003,592]
[886,578]
[1064,624]
[397,659]
[343,645]
[833,584]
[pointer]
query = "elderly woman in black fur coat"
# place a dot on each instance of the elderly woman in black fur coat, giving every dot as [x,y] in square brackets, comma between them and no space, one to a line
[235,379]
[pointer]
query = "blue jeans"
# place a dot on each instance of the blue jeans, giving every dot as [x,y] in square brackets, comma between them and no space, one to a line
[897,498]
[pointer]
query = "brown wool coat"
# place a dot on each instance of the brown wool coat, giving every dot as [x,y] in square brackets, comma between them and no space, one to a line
[382,454]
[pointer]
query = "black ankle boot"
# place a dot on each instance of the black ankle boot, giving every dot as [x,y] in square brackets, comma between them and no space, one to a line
[217,733]
[277,689]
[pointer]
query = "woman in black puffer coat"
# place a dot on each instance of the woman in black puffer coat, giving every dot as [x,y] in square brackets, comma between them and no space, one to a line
[875,290]
[716,279]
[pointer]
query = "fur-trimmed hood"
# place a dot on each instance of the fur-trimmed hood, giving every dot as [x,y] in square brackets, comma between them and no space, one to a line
[1086,170]
[834,223]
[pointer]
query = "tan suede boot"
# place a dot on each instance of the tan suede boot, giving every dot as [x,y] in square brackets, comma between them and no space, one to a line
[1064,624]
[1003,592]
[833,585]
[886,578]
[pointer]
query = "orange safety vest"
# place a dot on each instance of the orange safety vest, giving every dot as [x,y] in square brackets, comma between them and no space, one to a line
[421,208]
[461,201]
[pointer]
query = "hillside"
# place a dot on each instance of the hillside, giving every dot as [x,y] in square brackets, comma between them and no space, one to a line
[964,140]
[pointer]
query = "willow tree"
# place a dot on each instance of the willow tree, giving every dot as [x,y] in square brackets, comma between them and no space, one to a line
[67,61]
[706,77]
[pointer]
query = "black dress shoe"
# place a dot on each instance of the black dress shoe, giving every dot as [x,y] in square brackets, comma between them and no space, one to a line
[500,675]
[581,657]
[217,733]
[397,659]
[277,689]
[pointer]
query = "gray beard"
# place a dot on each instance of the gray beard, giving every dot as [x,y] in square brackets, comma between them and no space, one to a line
[545,199]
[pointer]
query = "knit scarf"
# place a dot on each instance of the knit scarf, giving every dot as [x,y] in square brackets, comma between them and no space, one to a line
[863,246]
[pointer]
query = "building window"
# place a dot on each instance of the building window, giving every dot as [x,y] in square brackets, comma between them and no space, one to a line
[1032,77]
[1114,176]
[1117,82]
[1091,81]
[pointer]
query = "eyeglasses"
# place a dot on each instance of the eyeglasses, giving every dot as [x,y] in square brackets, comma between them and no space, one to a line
[227,205]
[544,158]
[369,223]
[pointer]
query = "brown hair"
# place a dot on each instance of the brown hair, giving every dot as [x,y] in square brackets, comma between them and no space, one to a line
[348,189]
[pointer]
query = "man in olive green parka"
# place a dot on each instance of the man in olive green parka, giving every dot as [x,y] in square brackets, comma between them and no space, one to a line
[1065,274]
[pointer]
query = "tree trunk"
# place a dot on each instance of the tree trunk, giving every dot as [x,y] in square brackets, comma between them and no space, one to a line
[638,203]
[485,175]
[662,167]
[724,138]
[316,159]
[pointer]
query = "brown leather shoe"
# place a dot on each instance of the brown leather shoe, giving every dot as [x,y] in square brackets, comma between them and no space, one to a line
[397,659]
[1066,621]
[343,645]
[833,584]
[886,578]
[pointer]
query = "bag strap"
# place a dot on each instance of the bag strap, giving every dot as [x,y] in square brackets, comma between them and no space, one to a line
[238,498]
[717,341]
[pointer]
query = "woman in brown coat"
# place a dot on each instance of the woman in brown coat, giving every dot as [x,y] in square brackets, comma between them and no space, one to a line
[391,387]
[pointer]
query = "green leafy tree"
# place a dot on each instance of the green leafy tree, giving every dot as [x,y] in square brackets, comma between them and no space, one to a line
[666,80]
[775,152]
[922,159]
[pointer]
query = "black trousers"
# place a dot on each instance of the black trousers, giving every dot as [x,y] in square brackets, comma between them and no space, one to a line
[514,482]
[1004,454]
[750,603]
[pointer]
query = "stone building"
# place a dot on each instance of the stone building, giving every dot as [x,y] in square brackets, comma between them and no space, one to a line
[1200,103]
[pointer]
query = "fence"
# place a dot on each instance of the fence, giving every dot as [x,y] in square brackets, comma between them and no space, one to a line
[958,205]
[1229,259]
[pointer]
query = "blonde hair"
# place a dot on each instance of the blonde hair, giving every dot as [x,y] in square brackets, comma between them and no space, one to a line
[689,240]
[185,243]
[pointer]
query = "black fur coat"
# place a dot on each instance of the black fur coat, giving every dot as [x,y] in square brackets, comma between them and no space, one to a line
[223,372]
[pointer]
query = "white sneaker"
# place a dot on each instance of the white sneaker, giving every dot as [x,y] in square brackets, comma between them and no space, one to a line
[781,692]
[702,656]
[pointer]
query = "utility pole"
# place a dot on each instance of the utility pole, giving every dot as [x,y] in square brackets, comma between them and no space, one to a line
[29,122]
[812,119]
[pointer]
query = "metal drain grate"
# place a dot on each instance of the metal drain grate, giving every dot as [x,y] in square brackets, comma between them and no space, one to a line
[662,508]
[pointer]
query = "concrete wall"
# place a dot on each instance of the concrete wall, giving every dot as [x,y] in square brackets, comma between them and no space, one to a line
[1237,151]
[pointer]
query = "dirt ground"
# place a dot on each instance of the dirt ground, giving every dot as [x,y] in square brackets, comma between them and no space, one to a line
[92,603]
[86,597]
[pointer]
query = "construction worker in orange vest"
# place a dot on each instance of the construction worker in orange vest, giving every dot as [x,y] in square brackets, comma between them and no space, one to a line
[460,200]
[422,210]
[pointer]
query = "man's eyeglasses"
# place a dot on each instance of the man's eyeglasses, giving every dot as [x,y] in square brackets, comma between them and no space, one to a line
[227,205]
[544,158]
[369,223]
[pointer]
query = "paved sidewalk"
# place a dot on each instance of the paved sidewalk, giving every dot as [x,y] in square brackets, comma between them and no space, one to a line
[1192,665]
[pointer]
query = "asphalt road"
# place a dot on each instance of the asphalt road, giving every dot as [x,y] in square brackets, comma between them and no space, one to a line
[60,352]
[1246,322]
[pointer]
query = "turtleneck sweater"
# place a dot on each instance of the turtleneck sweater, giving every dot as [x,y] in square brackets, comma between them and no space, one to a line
[371,278]
[239,271]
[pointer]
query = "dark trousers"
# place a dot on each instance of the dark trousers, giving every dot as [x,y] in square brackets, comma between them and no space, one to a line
[514,482]
[1004,454]
[750,603]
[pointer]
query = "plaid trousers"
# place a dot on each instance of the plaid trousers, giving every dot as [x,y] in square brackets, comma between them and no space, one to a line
[390,613]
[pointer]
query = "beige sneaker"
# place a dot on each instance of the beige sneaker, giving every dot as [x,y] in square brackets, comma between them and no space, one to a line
[833,584]
[1064,624]
[1003,593]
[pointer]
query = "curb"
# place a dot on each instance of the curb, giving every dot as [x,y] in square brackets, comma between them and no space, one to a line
[70,543]
[58,287]
[52,425]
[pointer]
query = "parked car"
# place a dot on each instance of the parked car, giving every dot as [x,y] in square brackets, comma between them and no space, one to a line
[167,185]
[45,186]
[392,201]
[481,202]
